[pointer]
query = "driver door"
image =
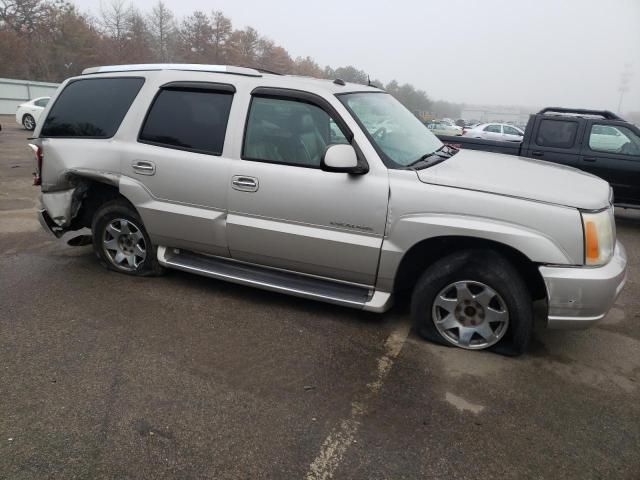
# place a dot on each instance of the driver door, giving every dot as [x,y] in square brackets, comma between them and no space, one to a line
[285,212]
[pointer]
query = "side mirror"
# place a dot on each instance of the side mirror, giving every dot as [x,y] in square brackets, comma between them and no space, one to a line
[342,158]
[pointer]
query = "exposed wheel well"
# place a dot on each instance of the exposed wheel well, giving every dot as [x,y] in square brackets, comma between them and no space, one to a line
[95,195]
[425,253]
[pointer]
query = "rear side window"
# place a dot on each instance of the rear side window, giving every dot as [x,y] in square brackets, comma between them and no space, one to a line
[511,131]
[41,102]
[91,108]
[557,133]
[493,129]
[193,120]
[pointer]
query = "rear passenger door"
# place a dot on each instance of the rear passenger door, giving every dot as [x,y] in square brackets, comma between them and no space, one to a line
[612,152]
[179,160]
[285,212]
[556,140]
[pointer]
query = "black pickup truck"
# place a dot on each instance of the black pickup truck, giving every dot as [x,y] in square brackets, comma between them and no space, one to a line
[595,141]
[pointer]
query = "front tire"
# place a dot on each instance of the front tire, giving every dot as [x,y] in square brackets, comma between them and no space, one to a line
[121,242]
[28,122]
[476,300]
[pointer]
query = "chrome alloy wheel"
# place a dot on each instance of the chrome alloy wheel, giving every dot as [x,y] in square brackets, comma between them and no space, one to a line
[124,244]
[28,122]
[470,315]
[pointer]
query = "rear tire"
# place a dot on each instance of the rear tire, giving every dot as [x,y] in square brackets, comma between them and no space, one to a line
[28,122]
[121,242]
[474,299]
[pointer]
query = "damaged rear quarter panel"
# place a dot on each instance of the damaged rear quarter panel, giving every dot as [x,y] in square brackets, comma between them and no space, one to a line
[63,205]
[68,167]
[66,158]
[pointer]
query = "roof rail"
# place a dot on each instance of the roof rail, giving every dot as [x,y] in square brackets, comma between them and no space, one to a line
[264,70]
[193,67]
[606,114]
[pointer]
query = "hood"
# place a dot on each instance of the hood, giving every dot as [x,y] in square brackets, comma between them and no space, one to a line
[519,177]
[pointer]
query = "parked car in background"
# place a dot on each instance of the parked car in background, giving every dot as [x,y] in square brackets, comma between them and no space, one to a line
[443,128]
[607,138]
[28,113]
[501,132]
[596,141]
[469,126]
[291,184]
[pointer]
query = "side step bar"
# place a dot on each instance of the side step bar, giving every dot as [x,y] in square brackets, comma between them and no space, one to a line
[266,278]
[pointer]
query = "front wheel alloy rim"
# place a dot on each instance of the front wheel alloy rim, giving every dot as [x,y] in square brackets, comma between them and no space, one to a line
[124,244]
[470,315]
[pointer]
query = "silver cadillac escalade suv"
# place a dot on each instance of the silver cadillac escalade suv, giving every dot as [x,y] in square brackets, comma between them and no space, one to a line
[325,190]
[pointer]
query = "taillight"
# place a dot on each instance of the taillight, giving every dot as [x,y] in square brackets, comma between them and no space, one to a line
[37,150]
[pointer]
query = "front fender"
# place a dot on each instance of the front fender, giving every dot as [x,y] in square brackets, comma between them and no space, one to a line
[410,230]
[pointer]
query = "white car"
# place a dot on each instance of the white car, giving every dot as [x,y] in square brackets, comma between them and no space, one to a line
[501,132]
[607,138]
[29,112]
[443,128]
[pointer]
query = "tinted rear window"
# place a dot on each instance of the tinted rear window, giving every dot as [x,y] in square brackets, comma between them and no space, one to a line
[91,108]
[194,120]
[557,133]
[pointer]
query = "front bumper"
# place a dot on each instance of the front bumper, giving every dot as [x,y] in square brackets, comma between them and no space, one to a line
[580,296]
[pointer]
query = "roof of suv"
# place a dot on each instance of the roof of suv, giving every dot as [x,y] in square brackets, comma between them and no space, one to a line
[274,79]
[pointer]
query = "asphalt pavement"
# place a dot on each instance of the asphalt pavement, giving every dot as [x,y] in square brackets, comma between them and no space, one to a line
[103,375]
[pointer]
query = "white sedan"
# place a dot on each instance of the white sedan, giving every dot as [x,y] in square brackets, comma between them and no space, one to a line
[29,112]
[501,132]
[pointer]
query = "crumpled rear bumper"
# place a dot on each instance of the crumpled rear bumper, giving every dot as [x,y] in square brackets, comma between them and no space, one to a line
[58,209]
[580,296]
[48,224]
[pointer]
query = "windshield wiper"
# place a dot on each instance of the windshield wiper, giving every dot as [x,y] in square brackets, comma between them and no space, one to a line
[438,153]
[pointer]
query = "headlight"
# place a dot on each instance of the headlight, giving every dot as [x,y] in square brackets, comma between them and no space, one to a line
[599,237]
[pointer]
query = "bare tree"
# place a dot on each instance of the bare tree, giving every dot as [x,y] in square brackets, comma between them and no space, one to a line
[114,19]
[196,35]
[51,40]
[161,24]
[307,67]
[244,46]
[23,16]
[221,31]
[272,57]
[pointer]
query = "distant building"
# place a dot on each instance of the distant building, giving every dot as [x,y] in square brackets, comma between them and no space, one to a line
[15,92]
[492,113]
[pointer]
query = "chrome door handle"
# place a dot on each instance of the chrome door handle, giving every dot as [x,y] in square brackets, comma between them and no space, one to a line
[144,167]
[244,184]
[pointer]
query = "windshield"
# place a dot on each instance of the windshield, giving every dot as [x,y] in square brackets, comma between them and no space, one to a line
[395,132]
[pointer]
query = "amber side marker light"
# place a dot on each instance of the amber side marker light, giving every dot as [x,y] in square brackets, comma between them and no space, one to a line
[592,249]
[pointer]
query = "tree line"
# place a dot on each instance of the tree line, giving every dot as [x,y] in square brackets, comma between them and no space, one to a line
[50,40]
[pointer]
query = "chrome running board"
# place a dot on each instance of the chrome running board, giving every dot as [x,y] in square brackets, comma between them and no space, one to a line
[349,295]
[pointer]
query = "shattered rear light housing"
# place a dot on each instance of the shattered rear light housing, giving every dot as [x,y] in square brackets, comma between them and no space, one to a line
[37,150]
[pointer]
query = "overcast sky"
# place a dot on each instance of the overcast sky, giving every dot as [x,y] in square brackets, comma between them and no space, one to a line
[506,52]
